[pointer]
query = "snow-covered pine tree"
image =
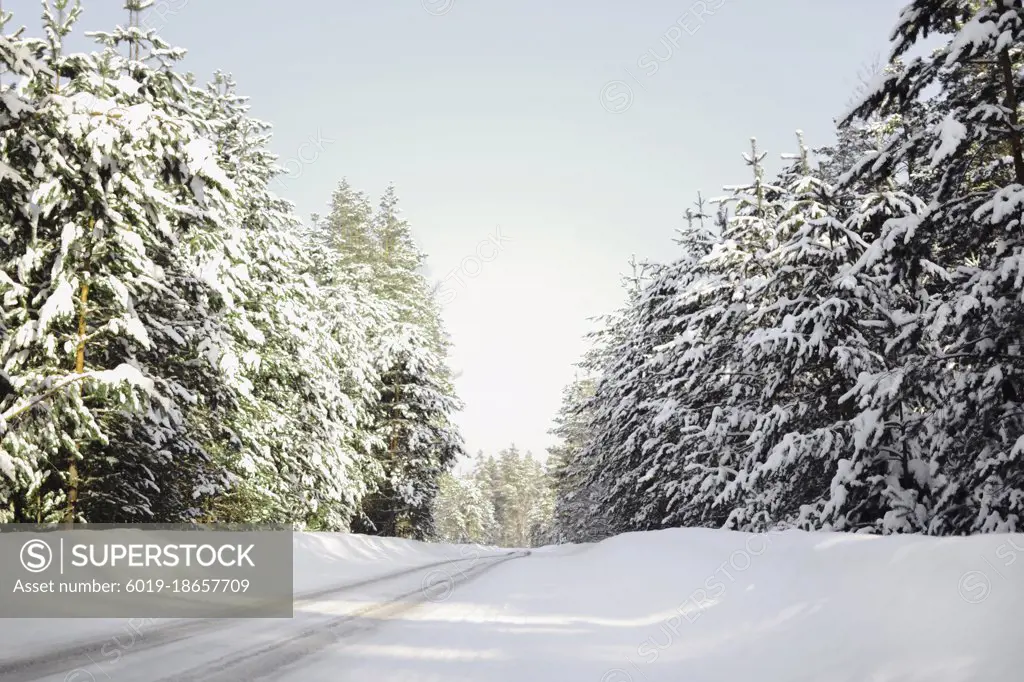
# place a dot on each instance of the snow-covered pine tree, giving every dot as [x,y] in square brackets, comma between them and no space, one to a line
[125,206]
[542,504]
[418,441]
[464,509]
[612,455]
[806,347]
[168,351]
[961,471]
[348,230]
[23,466]
[571,511]
[296,449]
[708,395]
[487,478]
[519,497]
[670,300]
[517,486]
[462,512]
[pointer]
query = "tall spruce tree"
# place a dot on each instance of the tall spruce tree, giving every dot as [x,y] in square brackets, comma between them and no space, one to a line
[125,204]
[962,468]
[416,440]
[174,345]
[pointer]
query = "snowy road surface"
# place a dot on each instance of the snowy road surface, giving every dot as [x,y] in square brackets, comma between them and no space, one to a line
[642,607]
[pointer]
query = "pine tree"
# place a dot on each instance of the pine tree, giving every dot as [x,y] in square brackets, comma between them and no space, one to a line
[618,410]
[518,485]
[128,205]
[570,512]
[671,299]
[961,471]
[298,453]
[174,345]
[462,514]
[708,394]
[806,348]
[412,415]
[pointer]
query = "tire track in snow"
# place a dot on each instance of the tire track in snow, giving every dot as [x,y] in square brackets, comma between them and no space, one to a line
[263,662]
[81,654]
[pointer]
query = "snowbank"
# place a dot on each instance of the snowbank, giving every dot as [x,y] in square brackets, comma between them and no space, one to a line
[706,605]
[689,604]
[324,560]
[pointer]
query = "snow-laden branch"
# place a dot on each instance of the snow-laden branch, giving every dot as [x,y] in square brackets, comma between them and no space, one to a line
[123,373]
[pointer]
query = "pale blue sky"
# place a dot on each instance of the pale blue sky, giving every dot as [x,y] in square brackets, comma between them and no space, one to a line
[490,113]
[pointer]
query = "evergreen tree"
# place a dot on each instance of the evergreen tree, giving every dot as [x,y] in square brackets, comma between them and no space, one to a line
[570,510]
[618,411]
[708,394]
[506,501]
[961,469]
[298,453]
[806,346]
[173,344]
[416,399]
[462,513]
[114,333]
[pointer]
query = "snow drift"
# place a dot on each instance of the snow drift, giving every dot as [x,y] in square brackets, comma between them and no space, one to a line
[707,605]
[687,604]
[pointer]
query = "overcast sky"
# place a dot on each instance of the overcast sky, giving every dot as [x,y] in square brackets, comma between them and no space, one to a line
[578,131]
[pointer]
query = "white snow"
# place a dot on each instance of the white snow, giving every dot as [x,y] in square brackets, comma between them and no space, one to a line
[686,604]
[951,134]
[202,159]
[60,303]
[320,561]
[326,559]
[978,32]
[702,605]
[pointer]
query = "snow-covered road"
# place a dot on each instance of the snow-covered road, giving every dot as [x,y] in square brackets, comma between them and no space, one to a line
[213,649]
[643,607]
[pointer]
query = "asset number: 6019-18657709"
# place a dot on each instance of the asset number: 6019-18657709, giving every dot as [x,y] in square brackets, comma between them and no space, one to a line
[222,585]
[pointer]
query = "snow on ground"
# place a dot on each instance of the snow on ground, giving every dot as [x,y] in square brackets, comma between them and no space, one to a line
[327,559]
[320,561]
[688,604]
[701,605]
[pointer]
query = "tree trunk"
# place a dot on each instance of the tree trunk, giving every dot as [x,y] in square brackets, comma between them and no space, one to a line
[69,516]
[1010,102]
